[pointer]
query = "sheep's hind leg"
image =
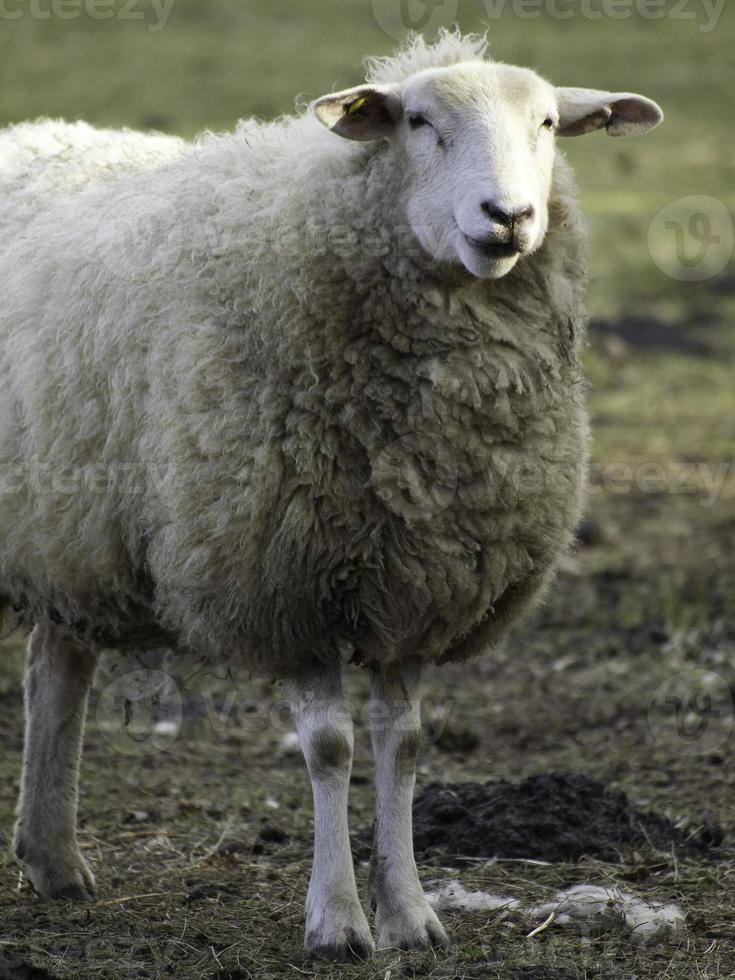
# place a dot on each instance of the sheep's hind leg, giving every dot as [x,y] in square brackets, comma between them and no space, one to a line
[336,927]
[59,673]
[404,918]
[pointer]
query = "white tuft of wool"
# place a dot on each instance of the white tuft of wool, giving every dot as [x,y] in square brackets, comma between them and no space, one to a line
[452,895]
[591,909]
[598,909]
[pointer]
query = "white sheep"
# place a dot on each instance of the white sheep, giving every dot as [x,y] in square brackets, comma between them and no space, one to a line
[286,400]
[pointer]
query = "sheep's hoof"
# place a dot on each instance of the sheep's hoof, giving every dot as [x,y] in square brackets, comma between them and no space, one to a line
[340,942]
[65,884]
[64,879]
[411,929]
[75,893]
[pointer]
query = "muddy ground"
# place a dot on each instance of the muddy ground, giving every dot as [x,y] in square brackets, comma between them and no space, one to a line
[621,684]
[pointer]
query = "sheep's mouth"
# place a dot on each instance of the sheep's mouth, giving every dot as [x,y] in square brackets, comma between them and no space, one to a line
[492,248]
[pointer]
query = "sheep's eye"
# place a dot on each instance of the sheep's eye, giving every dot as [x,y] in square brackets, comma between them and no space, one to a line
[548,123]
[416,120]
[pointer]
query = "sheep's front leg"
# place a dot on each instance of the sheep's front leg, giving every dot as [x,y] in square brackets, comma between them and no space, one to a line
[336,927]
[59,673]
[403,916]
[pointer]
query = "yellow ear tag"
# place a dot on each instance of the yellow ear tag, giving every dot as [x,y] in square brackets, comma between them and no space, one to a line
[357,105]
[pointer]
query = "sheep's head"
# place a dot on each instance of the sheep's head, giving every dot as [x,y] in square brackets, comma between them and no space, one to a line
[474,144]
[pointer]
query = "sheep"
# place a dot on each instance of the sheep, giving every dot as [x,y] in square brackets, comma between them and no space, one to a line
[323,405]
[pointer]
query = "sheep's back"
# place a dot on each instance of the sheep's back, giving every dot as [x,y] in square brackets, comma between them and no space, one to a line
[43,162]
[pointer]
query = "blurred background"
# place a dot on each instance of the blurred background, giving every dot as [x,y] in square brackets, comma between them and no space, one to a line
[627,672]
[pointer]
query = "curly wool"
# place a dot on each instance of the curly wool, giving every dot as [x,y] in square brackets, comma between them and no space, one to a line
[243,413]
[451,48]
[43,162]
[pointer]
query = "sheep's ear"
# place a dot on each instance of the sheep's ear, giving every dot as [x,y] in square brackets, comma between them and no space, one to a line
[583,110]
[368,112]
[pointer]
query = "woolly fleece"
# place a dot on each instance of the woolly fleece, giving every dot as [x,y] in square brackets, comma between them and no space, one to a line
[242,413]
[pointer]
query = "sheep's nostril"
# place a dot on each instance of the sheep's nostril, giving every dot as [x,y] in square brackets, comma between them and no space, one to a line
[526,215]
[508,217]
[497,214]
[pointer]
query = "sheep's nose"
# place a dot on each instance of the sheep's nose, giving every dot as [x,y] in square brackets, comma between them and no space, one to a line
[508,217]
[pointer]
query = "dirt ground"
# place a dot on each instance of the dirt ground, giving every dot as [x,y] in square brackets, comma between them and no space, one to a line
[614,703]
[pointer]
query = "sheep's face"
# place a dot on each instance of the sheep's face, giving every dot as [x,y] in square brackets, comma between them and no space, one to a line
[478,146]
[474,146]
